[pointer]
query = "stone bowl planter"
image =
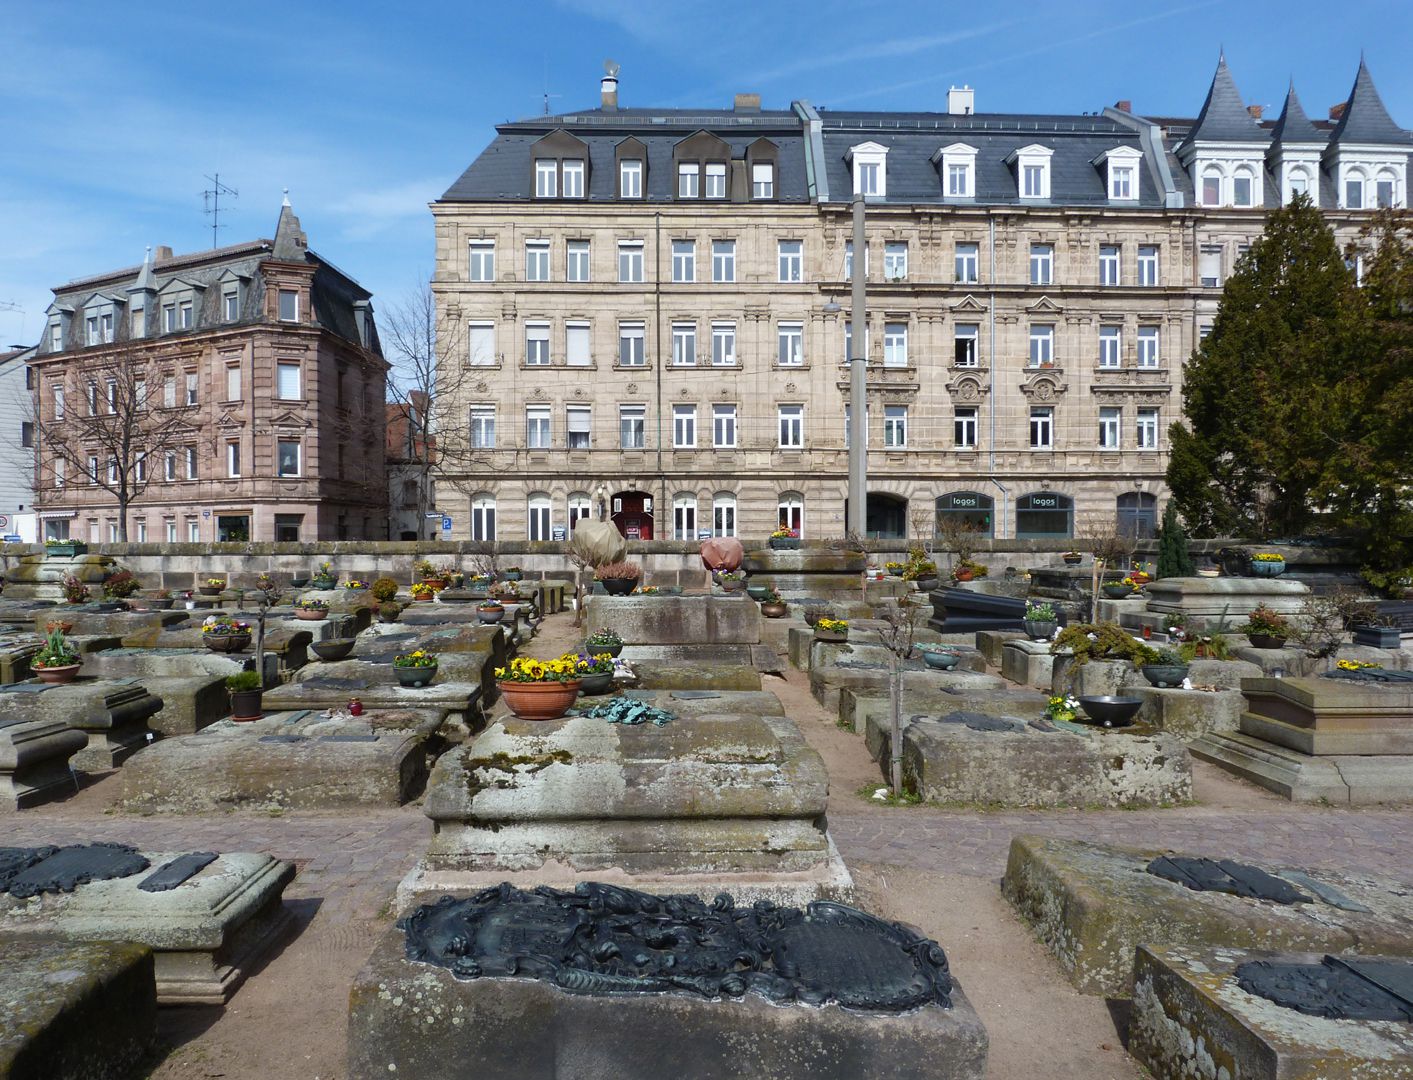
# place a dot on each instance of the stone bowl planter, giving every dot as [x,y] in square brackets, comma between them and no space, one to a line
[1039,629]
[333,648]
[1116,592]
[1072,560]
[1377,637]
[621,586]
[1110,710]
[927,584]
[298,582]
[311,614]
[598,683]
[540,700]
[489,614]
[757,592]
[732,586]
[830,635]
[814,612]
[895,571]
[785,543]
[65,674]
[1165,675]
[1267,569]
[226,642]
[777,610]
[211,590]
[599,650]
[319,582]
[1266,641]
[68,550]
[940,660]
[512,575]
[150,603]
[245,705]
[415,676]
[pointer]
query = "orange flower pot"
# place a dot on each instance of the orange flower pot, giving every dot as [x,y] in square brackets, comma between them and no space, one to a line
[539,700]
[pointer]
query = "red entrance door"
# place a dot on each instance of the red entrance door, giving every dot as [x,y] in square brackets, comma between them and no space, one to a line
[633,514]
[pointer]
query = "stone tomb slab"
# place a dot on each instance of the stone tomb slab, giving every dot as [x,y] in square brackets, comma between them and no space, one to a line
[75,1009]
[1207,602]
[864,666]
[729,791]
[858,707]
[1325,717]
[290,760]
[323,686]
[1092,905]
[677,620]
[973,757]
[586,1002]
[686,675]
[34,761]
[205,933]
[1030,663]
[113,714]
[1192,1018]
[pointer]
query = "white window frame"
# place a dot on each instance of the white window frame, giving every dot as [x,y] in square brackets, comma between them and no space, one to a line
[230,303]
[1110,265]
[869,162]
[966,426]
[966,263]
[630,178]
[233,458]
[1208,196]
[790,344]
[287,313]
[684,261]
[537,260]
[895,260]
[193,530]
[192,462]
[684,344]
[762,180]
[483,518]
[1146,428]
[1042,344]
[233,382]
[1032,171]
[790,511]
[578,344]
[689,179]
[1149,265]
[539,427]
[283,369]
[971,333]
[1150,346]
[723,262]
[481,260]
[791,427]
[577,266]
[1042,427]
[723,426]
[578,506]
[483,427]
[1247,175]
[790,260]
[684,427]
[1122,174]
[573,176]
[958,171]
[632,427]
[714,180]
[895,427]
[546,178]
[630,262]
[481,344]
[1042,264]
[895,345]
[1111,427]
[578,427]
[723,514]
[1111,347]
[1209,257]
[539,517]
[537,344]
[629,354]
[298,457]
[684,517]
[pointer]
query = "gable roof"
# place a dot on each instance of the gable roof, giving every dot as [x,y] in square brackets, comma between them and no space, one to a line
[1365,120]
[1223,117]
[1294,125]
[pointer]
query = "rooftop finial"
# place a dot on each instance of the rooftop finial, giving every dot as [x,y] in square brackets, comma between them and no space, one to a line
[286,199]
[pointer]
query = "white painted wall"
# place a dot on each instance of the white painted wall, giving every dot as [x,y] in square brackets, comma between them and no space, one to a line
[16,461]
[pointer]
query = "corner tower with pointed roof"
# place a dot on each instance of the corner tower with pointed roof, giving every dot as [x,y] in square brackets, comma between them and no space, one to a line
[1367,156]
[1224,152]
[1294,154]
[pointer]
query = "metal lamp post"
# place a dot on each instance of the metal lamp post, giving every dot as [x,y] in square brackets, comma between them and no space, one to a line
[858,384]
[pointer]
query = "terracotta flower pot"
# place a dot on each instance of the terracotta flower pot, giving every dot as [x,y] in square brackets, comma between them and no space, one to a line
[540,700]
[490,614]
[226,642]
[65,674]
[830,635]
[310,614]
[962,575]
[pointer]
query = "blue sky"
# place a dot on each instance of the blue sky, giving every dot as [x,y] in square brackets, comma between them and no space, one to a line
[112,117]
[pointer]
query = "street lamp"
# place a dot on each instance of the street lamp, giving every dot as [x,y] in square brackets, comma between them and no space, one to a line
[601,494]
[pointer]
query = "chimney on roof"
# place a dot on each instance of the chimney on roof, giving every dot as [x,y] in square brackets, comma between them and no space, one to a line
[1336,111]
[1124,105]
[961,101]
[747,103]
[608,88]
[162,254]
[1255,111]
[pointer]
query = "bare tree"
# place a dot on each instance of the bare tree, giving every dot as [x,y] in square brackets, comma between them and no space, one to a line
[433,377]
[899,630]
[117,435]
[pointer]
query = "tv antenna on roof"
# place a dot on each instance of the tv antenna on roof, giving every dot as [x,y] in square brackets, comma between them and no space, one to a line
[611,68]
[212,200]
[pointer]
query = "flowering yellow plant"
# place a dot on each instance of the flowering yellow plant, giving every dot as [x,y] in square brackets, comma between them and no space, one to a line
[421,589]
[566,668]
[1267,556]
[416,658]
[833,626]
[1355,665]
[1130,583]
[355,583]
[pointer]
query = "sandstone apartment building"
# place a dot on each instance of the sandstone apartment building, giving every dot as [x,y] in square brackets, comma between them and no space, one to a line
[251,380]
[649,307]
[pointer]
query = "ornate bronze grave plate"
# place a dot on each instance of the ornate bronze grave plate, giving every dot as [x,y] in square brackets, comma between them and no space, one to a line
[1227,876]
[602,939]
[26,872]
[1338,987]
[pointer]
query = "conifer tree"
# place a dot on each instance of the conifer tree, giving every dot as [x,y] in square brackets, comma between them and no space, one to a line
[1174,560]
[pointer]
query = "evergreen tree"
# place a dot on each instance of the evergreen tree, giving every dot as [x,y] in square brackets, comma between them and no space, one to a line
[1174,560]
[1261,395]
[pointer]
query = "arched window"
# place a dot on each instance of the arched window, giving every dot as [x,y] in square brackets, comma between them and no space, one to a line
[1354,189]
[483,516]
[723,514]
[1386,189]
[540,512]
[579,507]
[1243,187]
[1211,188]
[684,517]
[1297,183]
[1042,515]
[790,511]
[969,509]
[1137,514]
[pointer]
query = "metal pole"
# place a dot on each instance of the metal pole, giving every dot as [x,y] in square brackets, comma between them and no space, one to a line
[858,385]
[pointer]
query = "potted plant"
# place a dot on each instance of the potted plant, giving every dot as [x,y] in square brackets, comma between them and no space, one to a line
[966,570]
[212,586]
[603,640]
[58,661]
[731,581]
[1266,629]
[895,569]
[1039,621]
[540,689]
[246,689]
[1165,668]
[355,584]
[423,592]
[619,578]
[923,573]
[417,668]
[323,577]
[384,590]
[75,591]
[1062,707]
[785,539]
[490,611]
[831,629]
[311,610]
[478,582]
[1267,564]
[513,573]
[59,548]
[1119,590]
[772,606]
[595,673]
[939,657]
[388,611]
[1376,632]
[813,612]
[156,600]
[506,592]
[647,590]
[225,633]
[62,625]
[120,586]
[1072,558]
[425,570]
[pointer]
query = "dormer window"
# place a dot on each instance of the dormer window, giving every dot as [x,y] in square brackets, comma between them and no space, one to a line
[1354,190]
[958,170]
[1211,188]
[230,303]
[185,314]
[573,169]
[715,180]
[56,337]
[169,317]
[688,181]
[1386,190]
[1121,168]
[1298,183]
[1032,165]
[763,167]
[289,305]
[630,179]
[139,322]
[546,178]
[870,165]
[1243,187]
[763,180]
[90,326]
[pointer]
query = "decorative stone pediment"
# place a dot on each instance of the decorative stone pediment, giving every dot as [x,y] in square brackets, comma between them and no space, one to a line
[226,420]
[289,420]
[1044,306]
[968,305]
[968,387]
[1044,386]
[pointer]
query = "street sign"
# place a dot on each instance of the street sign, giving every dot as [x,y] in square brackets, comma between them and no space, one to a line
[13,538]
[446,523]
[206,513]
[559,533]
[5,522]
[703,534]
